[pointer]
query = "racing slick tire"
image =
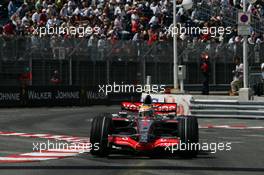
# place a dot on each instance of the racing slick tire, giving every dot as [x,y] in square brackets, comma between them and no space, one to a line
[189,135]
[99,135]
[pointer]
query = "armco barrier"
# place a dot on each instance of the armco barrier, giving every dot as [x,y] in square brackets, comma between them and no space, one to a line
[60,96]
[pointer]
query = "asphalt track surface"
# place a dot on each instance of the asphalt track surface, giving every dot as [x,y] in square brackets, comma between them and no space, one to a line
[245,157]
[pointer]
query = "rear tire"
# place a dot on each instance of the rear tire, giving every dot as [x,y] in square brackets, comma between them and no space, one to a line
[99,135]
[189,135]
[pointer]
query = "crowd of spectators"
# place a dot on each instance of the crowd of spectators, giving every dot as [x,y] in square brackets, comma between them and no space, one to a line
[136,20]
[146,21]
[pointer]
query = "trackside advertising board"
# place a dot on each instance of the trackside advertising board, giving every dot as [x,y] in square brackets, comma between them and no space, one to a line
[60,96]
[11,96]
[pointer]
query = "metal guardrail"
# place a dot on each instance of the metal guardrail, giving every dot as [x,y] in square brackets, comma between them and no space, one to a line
[227,109]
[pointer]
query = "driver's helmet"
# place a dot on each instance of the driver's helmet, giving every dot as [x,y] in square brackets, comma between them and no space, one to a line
[146,111]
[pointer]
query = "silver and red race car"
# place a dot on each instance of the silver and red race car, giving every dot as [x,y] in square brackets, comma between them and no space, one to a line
[144,127]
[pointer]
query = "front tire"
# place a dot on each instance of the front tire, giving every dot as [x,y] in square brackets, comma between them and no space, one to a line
[189,134]
[99,135]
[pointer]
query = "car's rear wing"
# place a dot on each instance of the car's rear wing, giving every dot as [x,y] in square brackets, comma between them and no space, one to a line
[158,107]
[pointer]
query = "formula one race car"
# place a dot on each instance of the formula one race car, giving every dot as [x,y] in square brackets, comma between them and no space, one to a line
[144,127]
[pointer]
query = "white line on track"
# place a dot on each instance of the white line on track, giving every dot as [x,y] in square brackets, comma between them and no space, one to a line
[49,154]
[24,159]
[230,127]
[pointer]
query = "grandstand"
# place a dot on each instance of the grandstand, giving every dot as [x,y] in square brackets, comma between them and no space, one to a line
[132,34]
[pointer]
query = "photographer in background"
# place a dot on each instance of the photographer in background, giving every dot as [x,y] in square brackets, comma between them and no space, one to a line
[204,66]
[55,78]
[259,87]
[25,77]
[236,84]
